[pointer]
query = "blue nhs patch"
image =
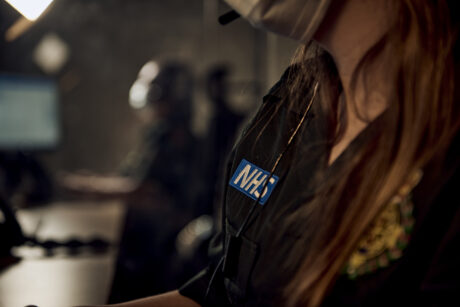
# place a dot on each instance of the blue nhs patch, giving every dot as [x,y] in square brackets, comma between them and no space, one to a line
[250,180]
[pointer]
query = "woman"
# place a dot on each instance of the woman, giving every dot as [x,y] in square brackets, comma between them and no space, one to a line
[340,189]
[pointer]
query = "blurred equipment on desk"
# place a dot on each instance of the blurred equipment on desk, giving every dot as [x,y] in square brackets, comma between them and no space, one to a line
[68,267]
[29,124]
[10,233]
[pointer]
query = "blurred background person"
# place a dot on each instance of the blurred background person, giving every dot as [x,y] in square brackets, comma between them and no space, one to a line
[161,99]
[156,177]
[195,242]
[216,144]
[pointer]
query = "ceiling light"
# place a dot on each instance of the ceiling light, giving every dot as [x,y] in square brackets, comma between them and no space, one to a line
[30,9]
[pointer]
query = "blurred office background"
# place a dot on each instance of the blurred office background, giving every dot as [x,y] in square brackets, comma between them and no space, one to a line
[79,60]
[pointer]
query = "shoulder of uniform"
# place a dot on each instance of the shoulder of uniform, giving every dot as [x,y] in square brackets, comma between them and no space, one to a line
[281,88]
[278,90]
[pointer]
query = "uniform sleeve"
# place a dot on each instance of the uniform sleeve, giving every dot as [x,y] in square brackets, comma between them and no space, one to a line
[197,286]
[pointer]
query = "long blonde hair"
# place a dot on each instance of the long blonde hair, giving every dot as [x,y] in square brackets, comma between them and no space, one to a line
[422,120]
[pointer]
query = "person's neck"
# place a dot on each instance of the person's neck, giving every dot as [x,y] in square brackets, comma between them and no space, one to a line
[349,30]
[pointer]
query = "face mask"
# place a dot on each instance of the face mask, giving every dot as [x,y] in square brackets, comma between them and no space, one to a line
[298,19]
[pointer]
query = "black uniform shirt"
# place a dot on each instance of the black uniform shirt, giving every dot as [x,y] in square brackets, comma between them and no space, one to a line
[254,272]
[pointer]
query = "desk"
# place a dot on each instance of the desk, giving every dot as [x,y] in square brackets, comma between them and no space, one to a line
[63,280]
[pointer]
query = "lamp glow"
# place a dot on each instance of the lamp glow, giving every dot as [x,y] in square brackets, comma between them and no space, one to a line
[30,9]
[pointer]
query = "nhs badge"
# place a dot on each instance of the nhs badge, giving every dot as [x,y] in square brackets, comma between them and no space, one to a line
[251,180]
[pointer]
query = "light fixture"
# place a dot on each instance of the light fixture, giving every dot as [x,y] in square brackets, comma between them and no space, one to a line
[30,9]
[51,53]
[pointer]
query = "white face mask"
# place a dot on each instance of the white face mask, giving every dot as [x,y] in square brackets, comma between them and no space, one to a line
[298,19]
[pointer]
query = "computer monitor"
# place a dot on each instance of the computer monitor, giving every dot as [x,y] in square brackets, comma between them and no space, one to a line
[29,115]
